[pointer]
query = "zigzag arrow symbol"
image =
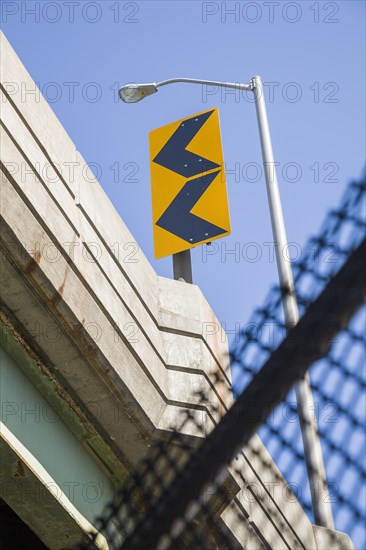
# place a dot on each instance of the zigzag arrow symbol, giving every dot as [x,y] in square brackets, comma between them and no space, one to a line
[177,218]
[174,155]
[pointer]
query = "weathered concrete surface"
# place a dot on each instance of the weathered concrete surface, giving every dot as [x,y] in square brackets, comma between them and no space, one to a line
[126,350]
[331,540]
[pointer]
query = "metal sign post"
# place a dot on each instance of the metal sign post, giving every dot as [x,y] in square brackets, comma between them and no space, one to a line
[182,266]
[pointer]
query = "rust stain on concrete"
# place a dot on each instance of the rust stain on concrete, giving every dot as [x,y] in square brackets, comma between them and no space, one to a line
[19,469]
[34,261]
[37,256]
[62,286]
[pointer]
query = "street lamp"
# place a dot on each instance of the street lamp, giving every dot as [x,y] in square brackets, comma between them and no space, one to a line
[132,93]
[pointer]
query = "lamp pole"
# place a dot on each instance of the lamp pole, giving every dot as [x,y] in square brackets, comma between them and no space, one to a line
[322,509]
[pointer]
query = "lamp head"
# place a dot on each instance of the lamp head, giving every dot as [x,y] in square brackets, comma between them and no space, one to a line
[131,93]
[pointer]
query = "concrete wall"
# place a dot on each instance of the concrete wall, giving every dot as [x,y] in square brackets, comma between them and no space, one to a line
[123,349]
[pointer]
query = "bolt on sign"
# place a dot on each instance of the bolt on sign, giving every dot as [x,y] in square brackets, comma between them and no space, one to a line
[188,187]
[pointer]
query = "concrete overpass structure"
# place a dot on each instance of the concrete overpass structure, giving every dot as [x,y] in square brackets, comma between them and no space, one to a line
[99,355]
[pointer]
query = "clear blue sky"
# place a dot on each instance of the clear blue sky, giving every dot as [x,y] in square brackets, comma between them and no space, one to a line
[311,52]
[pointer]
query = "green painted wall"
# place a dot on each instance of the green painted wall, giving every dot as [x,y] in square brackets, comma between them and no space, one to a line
[36,424]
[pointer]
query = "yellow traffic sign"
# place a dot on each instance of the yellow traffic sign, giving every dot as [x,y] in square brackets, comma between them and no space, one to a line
[188,187]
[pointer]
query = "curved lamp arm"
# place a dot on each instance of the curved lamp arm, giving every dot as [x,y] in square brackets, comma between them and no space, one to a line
[236,85]
[131,93]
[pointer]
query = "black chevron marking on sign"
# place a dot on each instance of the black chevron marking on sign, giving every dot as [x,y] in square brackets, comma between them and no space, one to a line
[174,155]
[177,218]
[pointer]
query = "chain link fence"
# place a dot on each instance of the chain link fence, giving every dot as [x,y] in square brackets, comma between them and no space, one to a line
[338,379]
[185,494]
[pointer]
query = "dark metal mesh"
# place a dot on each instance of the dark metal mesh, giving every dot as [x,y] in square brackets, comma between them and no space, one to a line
[338,380]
